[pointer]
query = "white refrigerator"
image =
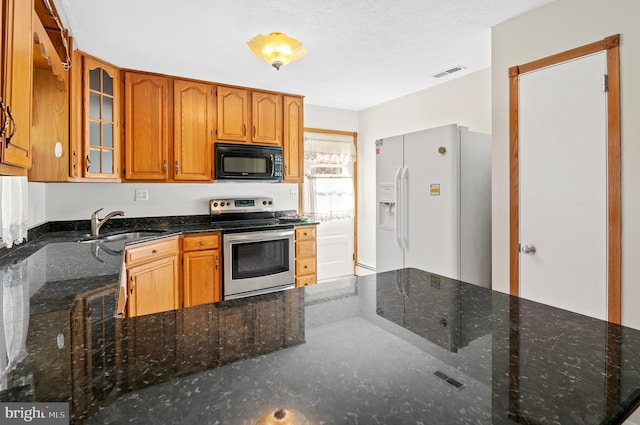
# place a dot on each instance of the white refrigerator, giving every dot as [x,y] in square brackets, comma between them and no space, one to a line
[433,209]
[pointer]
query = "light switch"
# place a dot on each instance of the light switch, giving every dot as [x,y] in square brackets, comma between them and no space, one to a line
[141,195]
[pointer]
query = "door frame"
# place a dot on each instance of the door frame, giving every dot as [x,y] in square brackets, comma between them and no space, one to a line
[355,184]
[611,46]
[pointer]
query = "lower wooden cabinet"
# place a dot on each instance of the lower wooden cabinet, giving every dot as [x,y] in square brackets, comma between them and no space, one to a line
[153,283]
[201,269]
[306,255]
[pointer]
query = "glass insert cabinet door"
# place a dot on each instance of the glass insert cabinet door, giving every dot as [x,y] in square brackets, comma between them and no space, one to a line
[101,141]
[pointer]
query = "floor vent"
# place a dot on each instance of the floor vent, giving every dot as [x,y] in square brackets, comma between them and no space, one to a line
[449,71]
[449,380]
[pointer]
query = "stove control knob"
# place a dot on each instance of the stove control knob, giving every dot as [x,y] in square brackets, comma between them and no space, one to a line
[270,202]
[228,203]
[264,202]
[215,204]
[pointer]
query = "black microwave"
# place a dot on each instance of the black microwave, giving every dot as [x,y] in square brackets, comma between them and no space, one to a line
[248,162]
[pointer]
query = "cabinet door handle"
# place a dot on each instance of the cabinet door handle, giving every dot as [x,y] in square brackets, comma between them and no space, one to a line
[164,167]
[15,127]
[177,168]
[217,262]
[88,163]
[201,243]
[244,130]
[254,131]
[75,160]
[285,170]
[154,251]
[133,284]
[6,118]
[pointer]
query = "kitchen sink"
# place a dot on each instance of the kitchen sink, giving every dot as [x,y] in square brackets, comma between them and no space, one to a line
[127,236]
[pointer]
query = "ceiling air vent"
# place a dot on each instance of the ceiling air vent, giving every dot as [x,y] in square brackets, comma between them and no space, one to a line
[449,71]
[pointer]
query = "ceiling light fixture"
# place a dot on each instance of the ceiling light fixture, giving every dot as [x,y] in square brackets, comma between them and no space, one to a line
[276,48]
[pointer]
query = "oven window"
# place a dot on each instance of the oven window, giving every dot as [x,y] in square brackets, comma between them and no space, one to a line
[245,165]
[256,259]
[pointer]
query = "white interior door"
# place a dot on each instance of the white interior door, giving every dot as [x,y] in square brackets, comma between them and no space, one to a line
[562,149]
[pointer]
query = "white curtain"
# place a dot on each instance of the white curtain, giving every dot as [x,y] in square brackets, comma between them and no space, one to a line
[15,213]
[329,188]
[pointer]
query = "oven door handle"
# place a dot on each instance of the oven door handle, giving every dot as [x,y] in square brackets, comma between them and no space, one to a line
[257,236]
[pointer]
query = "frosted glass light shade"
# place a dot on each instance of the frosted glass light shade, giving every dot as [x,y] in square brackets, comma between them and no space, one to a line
[276,49]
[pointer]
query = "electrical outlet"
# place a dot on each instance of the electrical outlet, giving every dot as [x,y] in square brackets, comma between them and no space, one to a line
[141,195]
[293,193]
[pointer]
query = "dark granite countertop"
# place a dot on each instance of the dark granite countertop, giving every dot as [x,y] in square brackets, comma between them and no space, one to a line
[398,347]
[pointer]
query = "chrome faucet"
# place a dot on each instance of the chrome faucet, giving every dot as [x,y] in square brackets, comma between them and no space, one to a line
[97,223]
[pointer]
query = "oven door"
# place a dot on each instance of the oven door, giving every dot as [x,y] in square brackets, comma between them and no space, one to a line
[258,262]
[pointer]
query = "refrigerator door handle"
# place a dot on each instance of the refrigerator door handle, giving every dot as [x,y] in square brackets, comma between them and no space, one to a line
[405,207]
[398,182]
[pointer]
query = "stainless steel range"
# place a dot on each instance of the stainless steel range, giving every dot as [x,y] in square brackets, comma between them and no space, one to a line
[257,248]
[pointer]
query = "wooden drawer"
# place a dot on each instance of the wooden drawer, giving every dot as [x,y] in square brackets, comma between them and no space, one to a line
[305,249]
[305,233]
[306,280]
[151,250]
[305,266]
[201,241]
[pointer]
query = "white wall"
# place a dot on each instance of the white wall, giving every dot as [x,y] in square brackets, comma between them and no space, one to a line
[560,26]
[330,118]
[465,100]
[76,201]
[37,204]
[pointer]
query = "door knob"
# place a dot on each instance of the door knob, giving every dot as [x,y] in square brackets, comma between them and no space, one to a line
[529,249]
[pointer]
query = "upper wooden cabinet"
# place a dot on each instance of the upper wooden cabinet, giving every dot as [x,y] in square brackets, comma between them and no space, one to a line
[292,146]
[193,123]
[157,107]
[147,126]
[100,120]
[266,118]
[16,70]
[233,114]
[249,116]
[76,127]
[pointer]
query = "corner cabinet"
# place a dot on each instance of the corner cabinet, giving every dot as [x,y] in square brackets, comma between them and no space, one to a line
[16,70]
[293,144]
[147,126]
[82,118]
[153,283]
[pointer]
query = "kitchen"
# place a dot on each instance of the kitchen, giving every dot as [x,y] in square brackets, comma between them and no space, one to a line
[482,105]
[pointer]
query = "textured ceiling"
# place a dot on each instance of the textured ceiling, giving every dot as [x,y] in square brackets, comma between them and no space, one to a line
[360,53]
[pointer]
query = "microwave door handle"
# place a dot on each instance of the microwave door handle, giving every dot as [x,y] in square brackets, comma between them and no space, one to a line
[273,164]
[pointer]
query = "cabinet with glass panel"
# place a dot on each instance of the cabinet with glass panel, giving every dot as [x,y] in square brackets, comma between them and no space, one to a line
[83,123]
[95,119]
